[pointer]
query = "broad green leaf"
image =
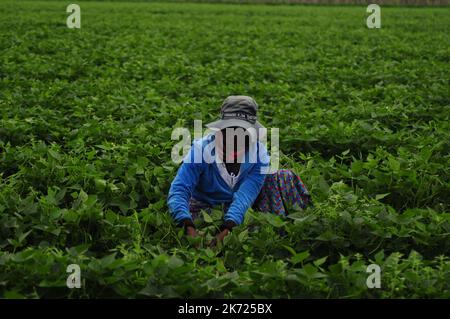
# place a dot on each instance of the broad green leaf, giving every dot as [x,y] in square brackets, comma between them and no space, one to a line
[300,257]
[207,218]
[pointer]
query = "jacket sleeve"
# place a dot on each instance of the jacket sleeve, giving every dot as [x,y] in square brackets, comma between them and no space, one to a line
[181,188]
[246,194]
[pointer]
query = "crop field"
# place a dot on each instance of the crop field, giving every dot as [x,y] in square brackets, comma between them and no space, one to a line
[86,117]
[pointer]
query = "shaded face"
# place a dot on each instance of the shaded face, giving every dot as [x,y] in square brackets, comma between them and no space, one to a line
[232,143]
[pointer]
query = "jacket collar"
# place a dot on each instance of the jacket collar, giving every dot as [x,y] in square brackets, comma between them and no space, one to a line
[210,156]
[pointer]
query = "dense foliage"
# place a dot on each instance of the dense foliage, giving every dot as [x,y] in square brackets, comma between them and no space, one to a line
[86,117]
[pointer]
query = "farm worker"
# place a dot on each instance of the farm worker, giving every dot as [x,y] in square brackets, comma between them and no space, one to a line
[229,167]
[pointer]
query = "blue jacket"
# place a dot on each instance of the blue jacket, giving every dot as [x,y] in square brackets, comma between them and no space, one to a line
[202,181]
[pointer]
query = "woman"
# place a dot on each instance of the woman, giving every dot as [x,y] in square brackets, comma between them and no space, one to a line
[229,168]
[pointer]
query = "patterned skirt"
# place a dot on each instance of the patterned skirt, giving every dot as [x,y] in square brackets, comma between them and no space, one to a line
[281,193]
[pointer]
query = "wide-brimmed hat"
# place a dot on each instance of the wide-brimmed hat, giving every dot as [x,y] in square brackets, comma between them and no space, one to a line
[237,110]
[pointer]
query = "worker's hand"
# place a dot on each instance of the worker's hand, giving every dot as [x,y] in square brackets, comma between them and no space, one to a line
[219,238]
[190,231]
[193,237]
[222,235]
